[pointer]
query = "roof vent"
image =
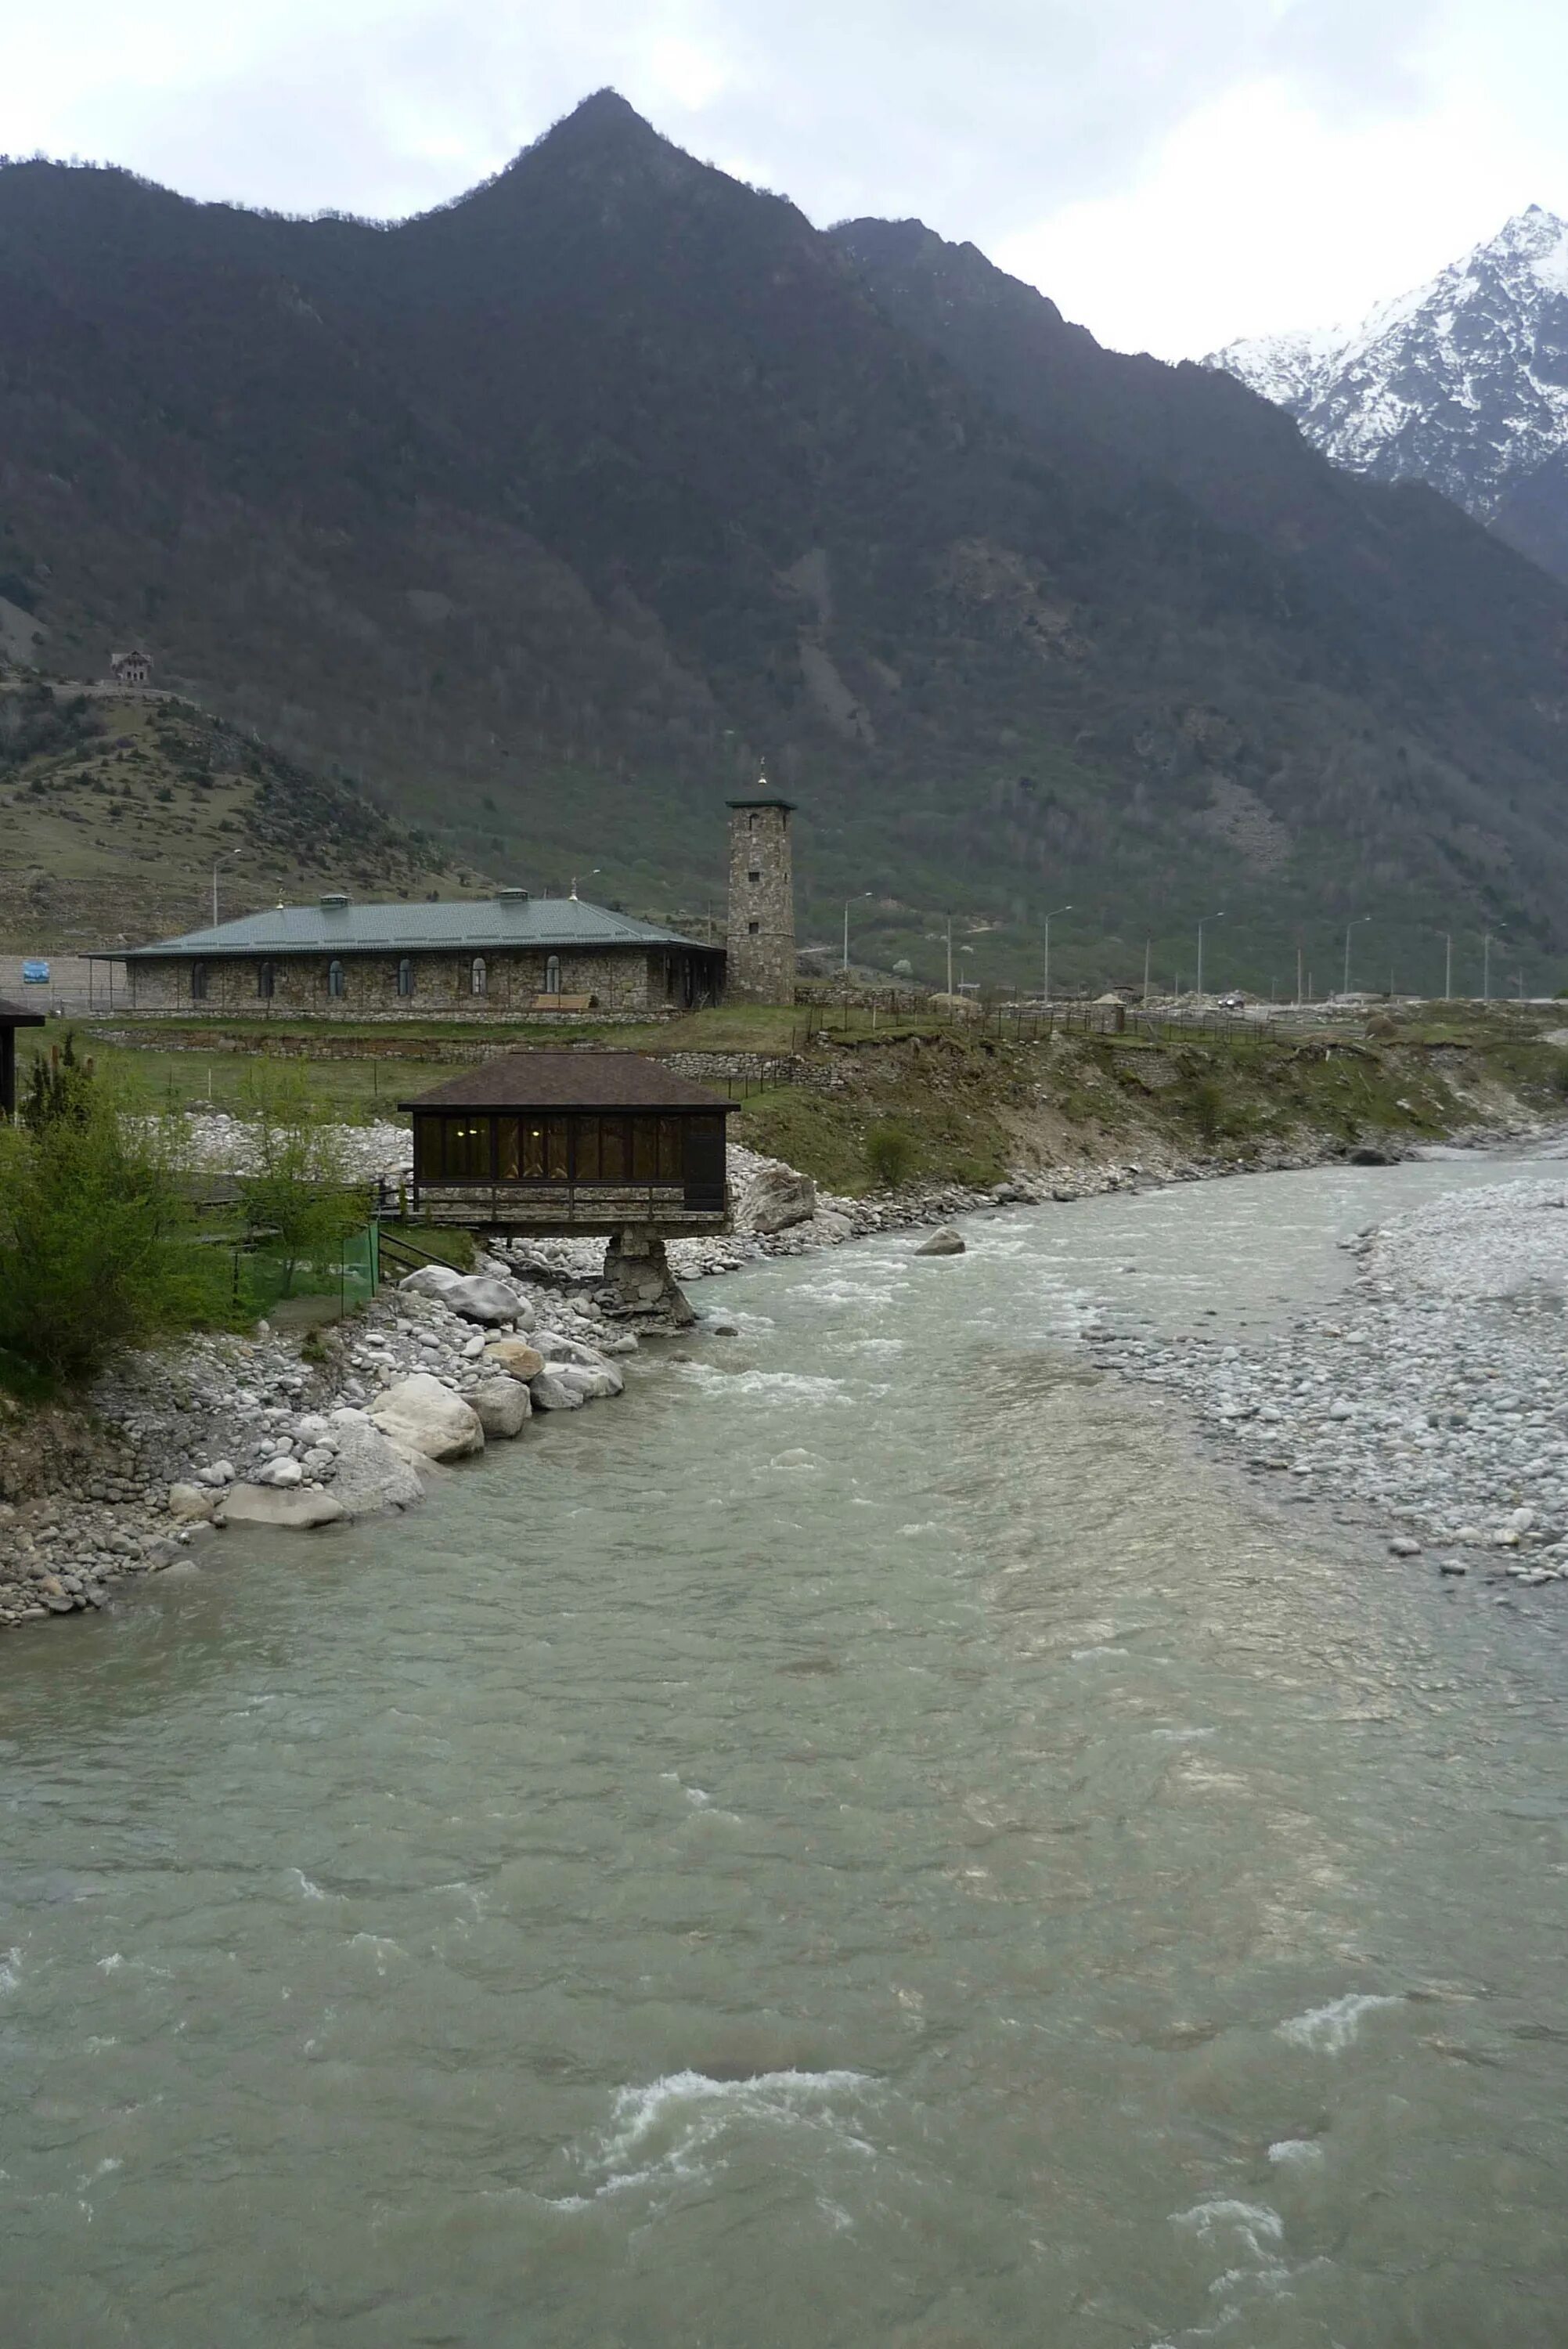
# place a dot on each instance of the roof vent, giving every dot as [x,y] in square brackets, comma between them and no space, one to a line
[511,897]
[334,902]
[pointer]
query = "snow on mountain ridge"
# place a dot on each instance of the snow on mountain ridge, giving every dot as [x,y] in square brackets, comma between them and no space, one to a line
[1462,382]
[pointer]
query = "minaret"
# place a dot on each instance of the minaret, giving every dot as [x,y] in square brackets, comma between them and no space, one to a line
[761,963]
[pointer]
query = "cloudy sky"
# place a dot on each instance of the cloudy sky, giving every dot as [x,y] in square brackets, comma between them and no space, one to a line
[1173,172]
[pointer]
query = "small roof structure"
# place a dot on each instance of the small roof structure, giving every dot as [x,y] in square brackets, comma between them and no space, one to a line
[15,1015]
[568,1081]
[334,924]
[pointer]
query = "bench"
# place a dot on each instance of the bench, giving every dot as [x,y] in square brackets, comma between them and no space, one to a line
[564,1002]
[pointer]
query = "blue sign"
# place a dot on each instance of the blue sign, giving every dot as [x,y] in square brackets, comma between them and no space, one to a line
[35,974]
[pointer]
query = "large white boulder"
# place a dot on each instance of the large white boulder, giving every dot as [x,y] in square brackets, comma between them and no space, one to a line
[421,1415]
[371,1474]
[502,1404]
[430,1280]
[479,1297]
[593,1381]
[265,1505]
[774,1198]
[555,1348]
[552,1390]
[191,1504]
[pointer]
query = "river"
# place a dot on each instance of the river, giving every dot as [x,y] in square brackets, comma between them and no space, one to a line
[870,1839]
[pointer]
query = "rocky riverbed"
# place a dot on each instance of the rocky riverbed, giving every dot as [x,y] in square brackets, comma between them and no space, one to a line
[1434,1397]
[265,1430]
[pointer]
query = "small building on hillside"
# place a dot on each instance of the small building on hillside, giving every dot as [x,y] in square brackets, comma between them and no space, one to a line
[485,958]
[134,667]
[12,1016]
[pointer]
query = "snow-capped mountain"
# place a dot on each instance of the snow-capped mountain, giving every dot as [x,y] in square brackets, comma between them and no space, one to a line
[1462,383]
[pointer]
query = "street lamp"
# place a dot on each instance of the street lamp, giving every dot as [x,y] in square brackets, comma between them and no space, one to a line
[1348,927]
[848,903]
[1486,939]
[216,862]
[1046,972]
[1208,918]
[1448,966]
[587,876]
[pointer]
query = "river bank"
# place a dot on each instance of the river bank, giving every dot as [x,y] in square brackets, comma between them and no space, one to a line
[1429,1397]
[174,1446]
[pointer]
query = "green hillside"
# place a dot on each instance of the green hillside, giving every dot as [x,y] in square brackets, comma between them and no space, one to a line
[114,810]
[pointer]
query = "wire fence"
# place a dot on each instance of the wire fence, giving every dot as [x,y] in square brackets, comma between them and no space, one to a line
[1028,1022]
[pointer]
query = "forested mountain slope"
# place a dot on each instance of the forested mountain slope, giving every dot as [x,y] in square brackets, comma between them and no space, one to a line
[552,511]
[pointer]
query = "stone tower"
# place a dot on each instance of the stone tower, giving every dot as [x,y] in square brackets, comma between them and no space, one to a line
[761,966]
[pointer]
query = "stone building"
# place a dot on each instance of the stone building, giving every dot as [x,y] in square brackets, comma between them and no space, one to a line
[761,968]
[483,959]
[131,668]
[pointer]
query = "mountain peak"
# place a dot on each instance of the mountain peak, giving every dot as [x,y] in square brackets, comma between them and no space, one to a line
[1462,382]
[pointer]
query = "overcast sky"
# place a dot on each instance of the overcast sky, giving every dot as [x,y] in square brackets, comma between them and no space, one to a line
[1173,172]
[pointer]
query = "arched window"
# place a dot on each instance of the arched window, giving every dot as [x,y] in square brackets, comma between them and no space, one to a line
[552,975]
[406,976]
[334,978]
[267,979]
[198,982]
[477,977]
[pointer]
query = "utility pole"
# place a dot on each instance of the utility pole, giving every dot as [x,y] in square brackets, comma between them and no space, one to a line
[1448,966]
[949,953]
[1045,970]
[1208,918]
[1300,999]
[1147,950]
[1348,927]
[848,903]
[1485,966]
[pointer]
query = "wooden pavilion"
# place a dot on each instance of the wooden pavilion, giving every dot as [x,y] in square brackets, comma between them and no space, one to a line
[12,1016]
[565,1142]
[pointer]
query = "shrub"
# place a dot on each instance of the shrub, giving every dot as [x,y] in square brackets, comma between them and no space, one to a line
[95,1240]
[890,1154]
[298,1198]
[1206,1104]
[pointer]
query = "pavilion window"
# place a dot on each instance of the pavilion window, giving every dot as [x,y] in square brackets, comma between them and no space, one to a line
[585,1151]
[334,979]
[613,1154]
[671,1149]
[508,1150]
[645,1149]
[267,982]
[479,980]
[428,1145]
[557,1150]
[552,975]
[467,1153]
[406,976]
[198,982]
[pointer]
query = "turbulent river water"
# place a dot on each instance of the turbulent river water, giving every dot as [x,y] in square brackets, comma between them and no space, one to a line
[868,1840]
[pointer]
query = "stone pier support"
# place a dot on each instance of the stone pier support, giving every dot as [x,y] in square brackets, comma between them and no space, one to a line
[637,1270]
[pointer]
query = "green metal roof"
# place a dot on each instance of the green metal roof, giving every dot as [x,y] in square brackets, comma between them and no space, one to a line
[476,924]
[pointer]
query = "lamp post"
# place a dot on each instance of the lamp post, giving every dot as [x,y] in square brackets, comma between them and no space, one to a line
[1046,967]
[1349,926]
[587,876]
[1448,966]
[1486,939]
[949,953]
[216,862]
[848,903]
[1207,918]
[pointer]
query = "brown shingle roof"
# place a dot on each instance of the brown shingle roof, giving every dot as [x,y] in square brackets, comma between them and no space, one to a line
[14,1015]
[531,1080]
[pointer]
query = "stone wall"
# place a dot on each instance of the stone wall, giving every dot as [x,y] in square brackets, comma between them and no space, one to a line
[761,967]
[626,980]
